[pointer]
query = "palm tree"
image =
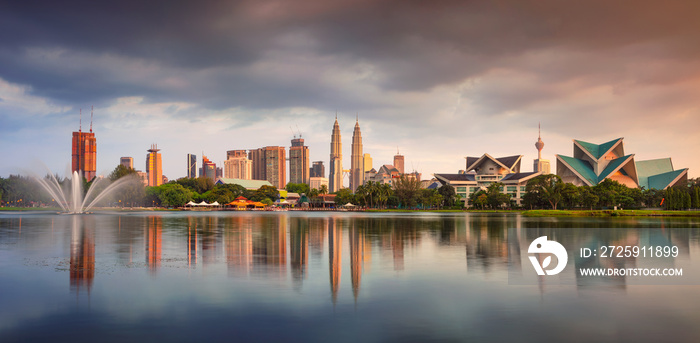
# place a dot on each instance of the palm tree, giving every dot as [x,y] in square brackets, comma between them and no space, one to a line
[323,189]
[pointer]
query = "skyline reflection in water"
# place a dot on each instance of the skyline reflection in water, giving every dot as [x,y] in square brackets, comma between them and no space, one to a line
[391,276]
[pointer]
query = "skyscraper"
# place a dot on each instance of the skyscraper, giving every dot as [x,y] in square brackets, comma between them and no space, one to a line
[208,168]
[398,162]
[540,164]
[367,162]
[336,172]
[84,155]
[269,163]
[191,166]
[154,166]
[357,170]
[317,169]
[298,162]
[237,165]
[127,162]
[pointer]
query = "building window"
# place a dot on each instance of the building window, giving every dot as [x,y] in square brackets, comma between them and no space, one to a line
[461,189]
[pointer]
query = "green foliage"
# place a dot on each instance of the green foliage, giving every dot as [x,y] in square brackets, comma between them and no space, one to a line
[448,195]
[225,193]
[494,198]
[323,189]
[430,198]
[200,185]
[406,191]
[120,171]
[344,196]
[169,195]
[298,188]
[547,188]
[265,192]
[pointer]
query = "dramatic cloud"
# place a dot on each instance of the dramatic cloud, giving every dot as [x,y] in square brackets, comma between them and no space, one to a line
[440,79]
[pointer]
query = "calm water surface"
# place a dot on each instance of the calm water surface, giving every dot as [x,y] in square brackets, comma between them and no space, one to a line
[337,277]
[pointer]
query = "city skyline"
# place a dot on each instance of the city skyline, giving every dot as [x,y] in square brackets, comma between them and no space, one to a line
[446,89]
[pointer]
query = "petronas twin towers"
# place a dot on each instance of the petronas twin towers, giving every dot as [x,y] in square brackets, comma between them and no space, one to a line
[357,170]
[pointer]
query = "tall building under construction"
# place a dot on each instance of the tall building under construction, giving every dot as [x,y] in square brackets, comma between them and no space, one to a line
[84,152]
[298,162]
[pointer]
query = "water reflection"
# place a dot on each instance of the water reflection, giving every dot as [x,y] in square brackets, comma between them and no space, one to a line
[82,255]
[406,277]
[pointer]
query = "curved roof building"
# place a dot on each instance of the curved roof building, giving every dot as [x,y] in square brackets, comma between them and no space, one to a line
[593,163]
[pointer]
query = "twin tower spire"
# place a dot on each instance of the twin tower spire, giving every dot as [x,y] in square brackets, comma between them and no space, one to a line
[357,170]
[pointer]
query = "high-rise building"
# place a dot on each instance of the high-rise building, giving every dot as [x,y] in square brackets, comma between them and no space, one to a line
[398,162]
[154,166]
[367,162]
[336,172]
[357,169]
[317,170]
[191,166]
[84,155]
[317,182]
[540,164]
[298,162]
[269,163]
[208,168]
[127,162]
[237,165]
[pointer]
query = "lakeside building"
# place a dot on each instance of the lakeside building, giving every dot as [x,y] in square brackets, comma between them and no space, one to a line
[540,164]
[269,163]
[84,152]
[335,177]
[127,162]
[593,163]
[191,166]
[298,161]
[317,170]
[357,169]
[154,166]
[317,182]
[483,171]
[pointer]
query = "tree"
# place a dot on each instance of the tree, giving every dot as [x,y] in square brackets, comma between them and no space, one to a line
[225,193]
[323,189]
[448,195]
[588,198]
[430,198]
[313,193]
[406,190]
[200,185]
[344,196]
[547,188]
[120,171]
[297,188]
[173,194]
[265,192]
[494,198]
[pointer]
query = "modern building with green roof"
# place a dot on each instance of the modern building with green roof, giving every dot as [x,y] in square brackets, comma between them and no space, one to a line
[593,163]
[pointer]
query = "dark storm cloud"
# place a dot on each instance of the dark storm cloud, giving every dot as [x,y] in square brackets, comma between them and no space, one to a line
[209,48]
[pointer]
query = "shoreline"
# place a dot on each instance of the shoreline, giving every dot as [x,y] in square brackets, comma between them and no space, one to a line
[526,213]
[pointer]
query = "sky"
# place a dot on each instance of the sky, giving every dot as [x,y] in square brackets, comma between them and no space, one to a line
[437,80]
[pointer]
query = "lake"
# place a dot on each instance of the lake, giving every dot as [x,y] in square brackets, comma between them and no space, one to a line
[338,276]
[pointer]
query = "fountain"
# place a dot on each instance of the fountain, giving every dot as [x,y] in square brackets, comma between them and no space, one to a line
[75,203]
